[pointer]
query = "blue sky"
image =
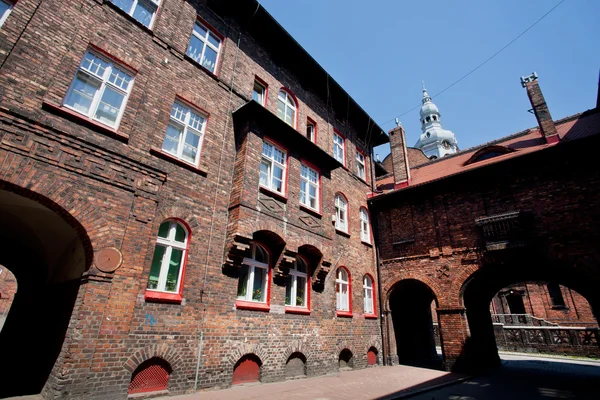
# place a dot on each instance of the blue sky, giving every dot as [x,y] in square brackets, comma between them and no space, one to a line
[380,50]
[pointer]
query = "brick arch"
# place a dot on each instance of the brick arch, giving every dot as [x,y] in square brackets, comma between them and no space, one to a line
[374,342]
[426,280]
[182,213]
[458,286]
[164,351]
[296,346]
[263,225]
[92,228]
[345,345]
[243,348]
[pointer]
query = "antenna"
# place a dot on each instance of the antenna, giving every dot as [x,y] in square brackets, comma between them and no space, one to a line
[398,122]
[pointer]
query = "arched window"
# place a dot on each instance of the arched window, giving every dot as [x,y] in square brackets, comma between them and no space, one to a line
[169,258]
[286,108]
[150,376]
[296,288]
[341,213]
[368,295]
[342,291]
[365,226]
[254,275]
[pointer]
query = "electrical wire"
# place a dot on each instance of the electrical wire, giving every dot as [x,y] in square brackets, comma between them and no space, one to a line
[483,63]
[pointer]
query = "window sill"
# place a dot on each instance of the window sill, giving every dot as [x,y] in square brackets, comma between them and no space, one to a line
[251,305]
[80,118]
[169,157]
[162,297]
[311,211]
[344,314]
[273,193]
[366,243]
[204,69]
[370,316]
[343,233]
[297,310]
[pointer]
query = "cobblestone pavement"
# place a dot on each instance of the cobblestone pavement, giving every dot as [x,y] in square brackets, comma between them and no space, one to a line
[371,383]
[527,377]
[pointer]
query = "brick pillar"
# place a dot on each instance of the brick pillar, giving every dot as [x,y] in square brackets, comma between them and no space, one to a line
[454,331]
[399,157]
[540,108]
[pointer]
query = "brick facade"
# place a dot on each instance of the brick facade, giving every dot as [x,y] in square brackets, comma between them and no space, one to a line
[114,188]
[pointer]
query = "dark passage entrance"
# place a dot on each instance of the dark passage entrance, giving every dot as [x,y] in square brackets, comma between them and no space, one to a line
[47,259]
[410,304]
[515,303]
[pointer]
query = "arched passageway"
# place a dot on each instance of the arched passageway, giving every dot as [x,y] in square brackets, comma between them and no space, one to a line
[480,349]
[47,257]
[410,305]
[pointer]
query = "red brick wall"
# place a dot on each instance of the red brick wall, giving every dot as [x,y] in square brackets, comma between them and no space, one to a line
[120,189]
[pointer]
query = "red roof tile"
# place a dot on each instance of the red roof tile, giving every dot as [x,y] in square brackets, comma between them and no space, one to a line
[571,128]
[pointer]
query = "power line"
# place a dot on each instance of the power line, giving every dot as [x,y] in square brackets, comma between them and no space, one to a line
[483,63]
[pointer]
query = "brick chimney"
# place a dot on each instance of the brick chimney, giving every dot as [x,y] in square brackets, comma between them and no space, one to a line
[399,157]
[540,109]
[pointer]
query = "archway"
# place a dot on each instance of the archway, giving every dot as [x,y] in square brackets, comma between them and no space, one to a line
[410,305]
[47,257]
[480,349]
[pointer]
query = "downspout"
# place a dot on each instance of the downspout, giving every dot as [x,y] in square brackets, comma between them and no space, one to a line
[375,227]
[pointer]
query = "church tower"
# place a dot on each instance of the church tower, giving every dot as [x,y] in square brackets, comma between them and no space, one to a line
[434,141]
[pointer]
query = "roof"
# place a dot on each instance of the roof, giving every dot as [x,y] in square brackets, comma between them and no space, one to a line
[571,128]
[273,37]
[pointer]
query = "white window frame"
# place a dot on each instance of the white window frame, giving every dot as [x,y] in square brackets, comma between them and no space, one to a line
[187,122]
[341,206]
[103,81]
[6,13]
[270,161]
[361,171]
[339,148]
[294,275]
[313,132]
[263,95]
[206,42]
[134,4]
[306,182]
[365,226]
[169,244]
[286,100]
[369,304]
[252,264]
[342,300]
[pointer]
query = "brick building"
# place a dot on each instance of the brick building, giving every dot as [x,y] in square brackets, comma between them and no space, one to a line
[167,232]
[458,230]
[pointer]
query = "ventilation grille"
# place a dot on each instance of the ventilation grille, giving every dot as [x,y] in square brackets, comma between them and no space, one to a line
[150,376]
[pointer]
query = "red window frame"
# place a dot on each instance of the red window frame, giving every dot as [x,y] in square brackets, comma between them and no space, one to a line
[314,124]
[374,298]
[341,313]
[167,297]
[288,91]
[371,238]
[302,310]
[265,85]
[366,180]
[347,214]
[254,305]
[319,192]
[221,48]
[340,134]
[268,190]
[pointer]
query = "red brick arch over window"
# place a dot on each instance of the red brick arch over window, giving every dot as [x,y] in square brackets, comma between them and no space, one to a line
[247,370]
[151,376]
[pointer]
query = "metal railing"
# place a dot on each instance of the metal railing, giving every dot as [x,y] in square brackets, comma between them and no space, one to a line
[521,319]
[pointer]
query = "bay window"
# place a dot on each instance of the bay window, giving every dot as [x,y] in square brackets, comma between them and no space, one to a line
[273,168]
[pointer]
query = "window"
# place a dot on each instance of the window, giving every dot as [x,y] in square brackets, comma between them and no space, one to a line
[169,257]
[5,9]
[286,108]
[338,148]
[185,133]
[341,213]
[342,290]
[556,296]
[365,228]
[254,275]
[204,47]
[259,92]
[143,11]
[309,187]
[369,307]
[311,131]
[360,165]
[296,288]
[99,90]
[272,167]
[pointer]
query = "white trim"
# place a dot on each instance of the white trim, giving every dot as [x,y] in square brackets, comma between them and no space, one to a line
[271,163]
[338,148]
[263,95]
[190,118]
[342,302]
[252,265]
[169,243]
[134,4]
[341,213]
[205,43]
[368,295]
[360,162]
[365,226]
[294,275]
[307,181]
[288,102]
